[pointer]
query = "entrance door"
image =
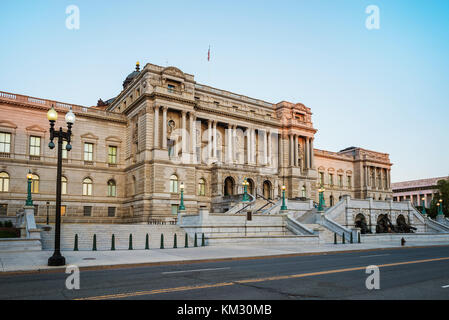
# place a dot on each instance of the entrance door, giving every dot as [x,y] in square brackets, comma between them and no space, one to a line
[267,189]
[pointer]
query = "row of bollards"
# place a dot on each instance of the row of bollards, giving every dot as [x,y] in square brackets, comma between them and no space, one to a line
[147,242]
[343,238]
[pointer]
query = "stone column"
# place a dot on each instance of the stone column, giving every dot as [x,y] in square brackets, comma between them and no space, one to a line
[183,133]
[215,140]
[270,148]
[248,145]
[192,119]
[209,140]
[253,146]
[307,153]
[229,146]
[234,144]
[296,150]
[164,128]
[156,127]
[312,154]
[292,151]
[265,148]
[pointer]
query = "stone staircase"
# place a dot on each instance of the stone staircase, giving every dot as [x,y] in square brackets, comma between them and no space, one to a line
[121,232]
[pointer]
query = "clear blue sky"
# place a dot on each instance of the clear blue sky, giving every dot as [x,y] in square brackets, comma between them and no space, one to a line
[385,90]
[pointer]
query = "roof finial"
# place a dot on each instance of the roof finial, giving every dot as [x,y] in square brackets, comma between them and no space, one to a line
[137,66]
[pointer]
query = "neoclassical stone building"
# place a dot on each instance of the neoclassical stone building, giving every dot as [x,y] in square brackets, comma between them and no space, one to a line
[131,153]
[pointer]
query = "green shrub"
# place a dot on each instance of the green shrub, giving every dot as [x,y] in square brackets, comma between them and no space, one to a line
[8,224]
[1,224]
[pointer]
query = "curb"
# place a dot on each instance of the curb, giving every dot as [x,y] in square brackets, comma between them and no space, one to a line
[182,262]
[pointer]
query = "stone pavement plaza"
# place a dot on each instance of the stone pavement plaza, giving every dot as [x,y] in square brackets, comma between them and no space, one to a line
[37,260]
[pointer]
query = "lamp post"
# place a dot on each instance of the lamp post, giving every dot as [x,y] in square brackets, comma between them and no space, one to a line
[423,206]
[321,199]
[29,201]
[181,205]
[440,207]
[57,259]
[283,207]
[245,192]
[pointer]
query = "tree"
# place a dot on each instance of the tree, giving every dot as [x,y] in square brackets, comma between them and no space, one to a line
[443,193]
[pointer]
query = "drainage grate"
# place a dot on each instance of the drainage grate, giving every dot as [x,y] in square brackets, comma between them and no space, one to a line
[89,258]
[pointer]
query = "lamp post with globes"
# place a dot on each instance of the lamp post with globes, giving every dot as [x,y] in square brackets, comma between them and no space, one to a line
[181,205]
[57,259]
[29,201]
[321,198]
[284,206]
[440,207]
[245,190]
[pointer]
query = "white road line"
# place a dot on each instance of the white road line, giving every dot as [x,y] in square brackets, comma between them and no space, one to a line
[197,270]
[375,255]
[444,287]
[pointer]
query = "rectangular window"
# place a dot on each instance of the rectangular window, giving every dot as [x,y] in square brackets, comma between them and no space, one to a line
[88,151]
[331,179]
[3,209]
[321,178]
[171,88]
[174,209]
[349,181]
[340,181]
[5,142]
[64,150]
[87,211]
[112,155]
[111,211]
[35,146]
[63,210]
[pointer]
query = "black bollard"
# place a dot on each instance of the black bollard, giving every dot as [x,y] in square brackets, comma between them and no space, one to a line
[76,243]
[94,247]
[402,241]
[175,244]
[195,244]
[351,240]
[203,241]
[147,243]
[343,238]
[186,241]
[130,241]
[113,242]
[162,241]
[359,237]
[335,238]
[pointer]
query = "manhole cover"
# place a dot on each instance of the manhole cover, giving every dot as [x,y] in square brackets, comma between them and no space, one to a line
[89,258]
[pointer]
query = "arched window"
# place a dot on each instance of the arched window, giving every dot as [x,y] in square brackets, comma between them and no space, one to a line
[303,192]
[63,185]
[202,187]
[112,188]
[4,182]
[174,184]
[87,187]
[35,184]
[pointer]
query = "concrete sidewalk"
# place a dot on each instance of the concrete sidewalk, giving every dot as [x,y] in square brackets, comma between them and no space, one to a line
[37,260]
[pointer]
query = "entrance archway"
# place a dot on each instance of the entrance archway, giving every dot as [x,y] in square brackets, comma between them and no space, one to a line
[267,189]
[229,186]
[360,222]
[331,201]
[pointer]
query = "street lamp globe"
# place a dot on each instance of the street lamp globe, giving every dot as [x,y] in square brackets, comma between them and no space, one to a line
[52,115]
[29,175]
[182,186]
[70,117]
[283,188]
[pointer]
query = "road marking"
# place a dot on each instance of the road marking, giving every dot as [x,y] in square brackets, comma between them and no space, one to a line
[274,278]
[196,270]
[444,287]
[375,255]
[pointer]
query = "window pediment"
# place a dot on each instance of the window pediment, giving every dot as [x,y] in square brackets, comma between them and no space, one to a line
[36,128]
[7,124]
[90,136]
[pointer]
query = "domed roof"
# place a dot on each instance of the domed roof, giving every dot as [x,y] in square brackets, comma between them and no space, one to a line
[131,76]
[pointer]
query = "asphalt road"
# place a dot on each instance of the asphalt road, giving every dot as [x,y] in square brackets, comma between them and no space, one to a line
[409,273]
